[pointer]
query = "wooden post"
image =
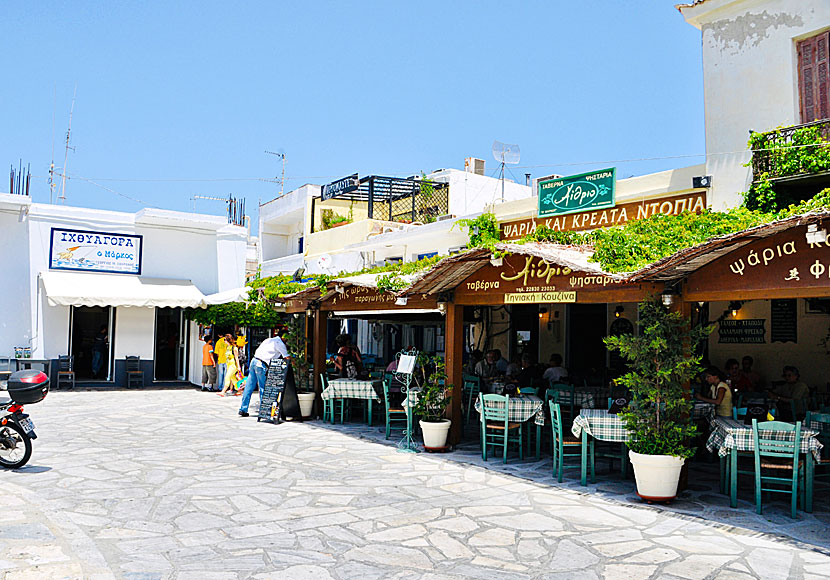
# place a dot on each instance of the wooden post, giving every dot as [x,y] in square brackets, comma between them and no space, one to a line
[454,353]
[320,327]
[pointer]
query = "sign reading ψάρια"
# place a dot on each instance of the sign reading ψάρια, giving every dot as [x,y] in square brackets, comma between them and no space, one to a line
[95,251]
[576,193]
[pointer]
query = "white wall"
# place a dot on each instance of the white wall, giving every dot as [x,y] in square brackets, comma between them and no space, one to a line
[750,75]
[135,332]
[15,305]
[470,193]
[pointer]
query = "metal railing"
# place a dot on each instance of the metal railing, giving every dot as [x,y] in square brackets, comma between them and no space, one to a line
[790,151]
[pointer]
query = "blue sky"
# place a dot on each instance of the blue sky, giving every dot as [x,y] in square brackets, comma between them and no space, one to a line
[182,99]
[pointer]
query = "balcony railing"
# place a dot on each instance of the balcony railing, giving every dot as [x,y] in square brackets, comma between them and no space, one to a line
[389,199]
[791,151]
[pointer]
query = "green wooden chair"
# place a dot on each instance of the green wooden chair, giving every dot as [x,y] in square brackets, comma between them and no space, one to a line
[394,413]
[564,395]
[822,471]
[331,406]
[566,445]
[495,427]
[472,388]
[777,456]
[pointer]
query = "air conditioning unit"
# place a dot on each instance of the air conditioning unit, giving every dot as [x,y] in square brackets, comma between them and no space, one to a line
[442,218]
[474,165]
[702,181]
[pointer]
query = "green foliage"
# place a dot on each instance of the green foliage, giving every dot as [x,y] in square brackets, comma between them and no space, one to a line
[329,219]
[273,288]
[801,151]
[659,365]
[258,313]
[391,282]
[641,242]
[483,231]
[297,344]
[434,397]
[761,195]
[819,202]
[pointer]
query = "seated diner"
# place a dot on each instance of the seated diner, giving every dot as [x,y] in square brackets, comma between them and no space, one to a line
[719,392]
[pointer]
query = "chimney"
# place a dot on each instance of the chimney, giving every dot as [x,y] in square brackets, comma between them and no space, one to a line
[527,179]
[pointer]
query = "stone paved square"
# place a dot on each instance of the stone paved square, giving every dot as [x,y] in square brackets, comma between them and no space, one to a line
[171,484]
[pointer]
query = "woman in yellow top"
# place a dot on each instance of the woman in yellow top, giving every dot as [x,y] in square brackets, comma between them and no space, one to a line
[720,394]
[231,376]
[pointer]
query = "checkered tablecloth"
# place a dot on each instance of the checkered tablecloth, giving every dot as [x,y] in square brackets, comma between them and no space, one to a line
[703,410]
[599,424]
[522,408]
[352,389]
[591,397]
[727,433]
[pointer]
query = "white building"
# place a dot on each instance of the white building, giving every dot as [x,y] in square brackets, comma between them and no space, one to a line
[68,272]
[765,65]
[291,235]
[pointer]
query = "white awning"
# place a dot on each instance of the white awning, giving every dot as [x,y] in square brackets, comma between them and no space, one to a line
[82,289]
[235,295]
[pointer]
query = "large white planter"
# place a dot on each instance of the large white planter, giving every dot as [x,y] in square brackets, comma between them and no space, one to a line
[435,434]
[656,475]
[306,403]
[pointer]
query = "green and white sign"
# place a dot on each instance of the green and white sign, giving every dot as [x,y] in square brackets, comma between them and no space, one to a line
[584,192]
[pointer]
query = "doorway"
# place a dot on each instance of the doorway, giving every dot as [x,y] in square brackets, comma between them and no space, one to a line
[524,335]
[90,341]
[586,350]
[171,345]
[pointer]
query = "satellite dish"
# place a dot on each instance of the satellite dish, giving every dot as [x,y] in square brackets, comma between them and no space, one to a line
[324,262]
[506,153]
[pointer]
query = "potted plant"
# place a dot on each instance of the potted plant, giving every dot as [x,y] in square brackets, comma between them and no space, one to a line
[433,400]
[660,364]
[295,342]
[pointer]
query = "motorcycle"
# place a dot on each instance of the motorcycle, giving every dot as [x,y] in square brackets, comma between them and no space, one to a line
[16,428]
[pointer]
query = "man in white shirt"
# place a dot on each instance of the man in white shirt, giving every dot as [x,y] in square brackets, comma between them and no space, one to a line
[555,372]
[270,348]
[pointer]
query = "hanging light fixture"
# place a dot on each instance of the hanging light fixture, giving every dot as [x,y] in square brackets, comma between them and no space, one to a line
[618,311]
[668,296]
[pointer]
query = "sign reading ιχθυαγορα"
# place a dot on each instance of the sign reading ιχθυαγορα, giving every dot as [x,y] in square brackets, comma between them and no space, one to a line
[89,251]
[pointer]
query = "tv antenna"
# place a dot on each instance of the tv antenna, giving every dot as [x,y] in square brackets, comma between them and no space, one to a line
[505,153]
[62,196]
[282,179]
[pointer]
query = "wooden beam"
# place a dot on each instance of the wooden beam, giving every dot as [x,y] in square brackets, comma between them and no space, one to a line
[320,336]
[454,353]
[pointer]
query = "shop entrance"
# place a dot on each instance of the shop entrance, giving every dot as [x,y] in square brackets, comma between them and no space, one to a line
[90,342]
[524,336]
[171,345]
[586,351]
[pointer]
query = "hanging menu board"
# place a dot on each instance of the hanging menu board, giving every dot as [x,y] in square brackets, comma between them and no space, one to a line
[746,331]
[784,320]
[278,398]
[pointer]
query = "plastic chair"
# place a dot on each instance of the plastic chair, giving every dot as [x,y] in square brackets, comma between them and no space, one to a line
[472,389]
[66,370]
[496,428]
[135,376]
[778,455]
[562,444]
[394,413]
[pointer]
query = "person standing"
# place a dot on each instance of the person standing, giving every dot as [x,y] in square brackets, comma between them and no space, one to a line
[232,375]
[208,365]
[220,351]
[241,355]
[99,349]
[270,348]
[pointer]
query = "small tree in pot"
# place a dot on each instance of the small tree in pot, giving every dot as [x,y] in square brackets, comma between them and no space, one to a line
[660,364]
[433,400]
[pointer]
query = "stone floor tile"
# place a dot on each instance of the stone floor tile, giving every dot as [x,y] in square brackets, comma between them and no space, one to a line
[627,571]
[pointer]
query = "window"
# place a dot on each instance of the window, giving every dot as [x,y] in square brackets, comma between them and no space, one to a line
[300,245]
[814,77]
[427,255]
